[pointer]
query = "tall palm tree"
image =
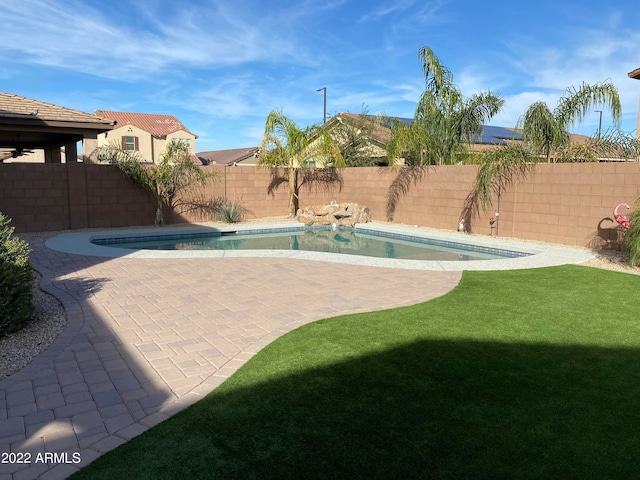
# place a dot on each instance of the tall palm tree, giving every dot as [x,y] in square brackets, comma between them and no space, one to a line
[442,129]
[174,173]
[547,131]
[285,145]
[444,122]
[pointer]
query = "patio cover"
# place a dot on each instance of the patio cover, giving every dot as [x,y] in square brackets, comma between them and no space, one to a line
[30,124]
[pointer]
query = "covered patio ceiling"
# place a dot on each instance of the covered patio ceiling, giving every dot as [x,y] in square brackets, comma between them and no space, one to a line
[27,124]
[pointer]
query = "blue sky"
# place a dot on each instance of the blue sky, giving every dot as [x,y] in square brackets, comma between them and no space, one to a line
[221,66]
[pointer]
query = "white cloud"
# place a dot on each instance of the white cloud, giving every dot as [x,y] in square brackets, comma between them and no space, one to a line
[73,35]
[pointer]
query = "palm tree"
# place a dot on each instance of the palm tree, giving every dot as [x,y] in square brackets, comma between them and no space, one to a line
[444,122]
[288,146]
[174,173]
[547,131]
[442,129]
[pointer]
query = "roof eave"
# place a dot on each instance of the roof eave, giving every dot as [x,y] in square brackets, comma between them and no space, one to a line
[635,74]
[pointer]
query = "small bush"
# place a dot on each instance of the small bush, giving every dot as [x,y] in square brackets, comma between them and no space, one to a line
[230,212]
[632,235]
[16,280]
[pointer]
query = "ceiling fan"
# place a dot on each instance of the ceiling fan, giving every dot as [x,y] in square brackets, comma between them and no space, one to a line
[19,150]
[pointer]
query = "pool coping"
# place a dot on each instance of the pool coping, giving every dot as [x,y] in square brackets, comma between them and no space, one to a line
[541,255]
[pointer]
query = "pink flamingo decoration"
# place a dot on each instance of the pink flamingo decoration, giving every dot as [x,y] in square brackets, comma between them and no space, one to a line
[621,219]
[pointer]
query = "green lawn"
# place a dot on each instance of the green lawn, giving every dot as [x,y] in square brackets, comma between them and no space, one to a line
[519,374]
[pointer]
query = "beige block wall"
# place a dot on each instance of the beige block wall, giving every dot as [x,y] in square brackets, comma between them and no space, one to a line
[561,203]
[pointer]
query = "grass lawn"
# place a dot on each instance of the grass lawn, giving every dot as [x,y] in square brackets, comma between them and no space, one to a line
[519,374]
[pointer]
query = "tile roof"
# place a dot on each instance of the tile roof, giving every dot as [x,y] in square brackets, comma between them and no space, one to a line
[156,125]
[15,106]
[227,157]
[490,135]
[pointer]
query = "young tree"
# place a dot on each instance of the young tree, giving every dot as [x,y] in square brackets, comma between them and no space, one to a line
[547,131]
[444,122]
[285,145]
[174,173]
[356,138]
[442,129]
[497,170]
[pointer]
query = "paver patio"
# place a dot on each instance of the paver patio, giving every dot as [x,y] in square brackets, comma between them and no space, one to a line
[146,338]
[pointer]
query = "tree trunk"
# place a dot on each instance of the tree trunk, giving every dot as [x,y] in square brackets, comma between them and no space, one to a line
[159,216]
[293,181]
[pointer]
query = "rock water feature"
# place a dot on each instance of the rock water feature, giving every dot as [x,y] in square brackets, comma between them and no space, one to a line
[345,214]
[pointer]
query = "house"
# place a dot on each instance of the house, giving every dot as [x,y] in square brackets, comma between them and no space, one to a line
[236,157]
[33,130]
[146,134]
[380,134]
[636,75]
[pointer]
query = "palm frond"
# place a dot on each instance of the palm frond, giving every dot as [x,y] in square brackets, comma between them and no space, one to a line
[408,176]
[499,169]
[438,78]
[615,145]
[577,103]
[541,129]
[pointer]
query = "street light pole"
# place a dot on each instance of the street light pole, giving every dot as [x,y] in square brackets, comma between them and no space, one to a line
[324,89]
[599,123]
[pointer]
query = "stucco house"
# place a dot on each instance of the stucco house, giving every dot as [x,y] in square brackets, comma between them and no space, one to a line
[147,134]
[232,157]
[380,134]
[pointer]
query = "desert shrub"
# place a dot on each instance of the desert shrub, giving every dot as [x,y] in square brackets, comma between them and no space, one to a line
[230,212]
[632,238]
[16,279]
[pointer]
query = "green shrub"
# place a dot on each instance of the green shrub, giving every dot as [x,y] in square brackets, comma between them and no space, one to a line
[632,243]
[230,212]
[16,280]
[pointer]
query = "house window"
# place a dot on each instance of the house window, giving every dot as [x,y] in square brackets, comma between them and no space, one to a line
[130,143]
[186,141]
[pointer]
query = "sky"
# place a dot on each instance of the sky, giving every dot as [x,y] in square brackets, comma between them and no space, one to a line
[220,66]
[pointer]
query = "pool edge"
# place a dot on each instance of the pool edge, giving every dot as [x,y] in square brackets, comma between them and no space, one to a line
[541,255]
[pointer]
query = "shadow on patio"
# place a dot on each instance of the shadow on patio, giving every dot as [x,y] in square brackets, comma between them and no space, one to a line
[87,391]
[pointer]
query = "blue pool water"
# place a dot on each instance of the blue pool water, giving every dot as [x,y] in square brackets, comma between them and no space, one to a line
[342,241]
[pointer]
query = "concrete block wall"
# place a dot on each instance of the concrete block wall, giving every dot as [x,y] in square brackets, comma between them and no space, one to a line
[561,203]
[48,197]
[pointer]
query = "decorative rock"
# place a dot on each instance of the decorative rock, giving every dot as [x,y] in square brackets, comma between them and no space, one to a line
[345,214]
[307,218]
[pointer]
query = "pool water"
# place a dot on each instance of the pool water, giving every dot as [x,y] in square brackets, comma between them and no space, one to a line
[332,241]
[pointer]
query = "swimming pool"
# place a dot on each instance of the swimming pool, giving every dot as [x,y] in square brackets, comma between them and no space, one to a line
[337,241]
[537,255]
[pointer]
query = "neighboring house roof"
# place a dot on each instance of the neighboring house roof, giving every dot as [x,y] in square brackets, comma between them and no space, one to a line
[573,137]
[491,135]
[227,157]
[635,74]
[157,125]
[15,106]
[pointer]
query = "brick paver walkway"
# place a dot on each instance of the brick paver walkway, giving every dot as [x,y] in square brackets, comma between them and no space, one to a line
[147,337]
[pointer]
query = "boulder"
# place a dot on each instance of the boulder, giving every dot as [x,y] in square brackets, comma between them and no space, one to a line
[345,214]
[307,218]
